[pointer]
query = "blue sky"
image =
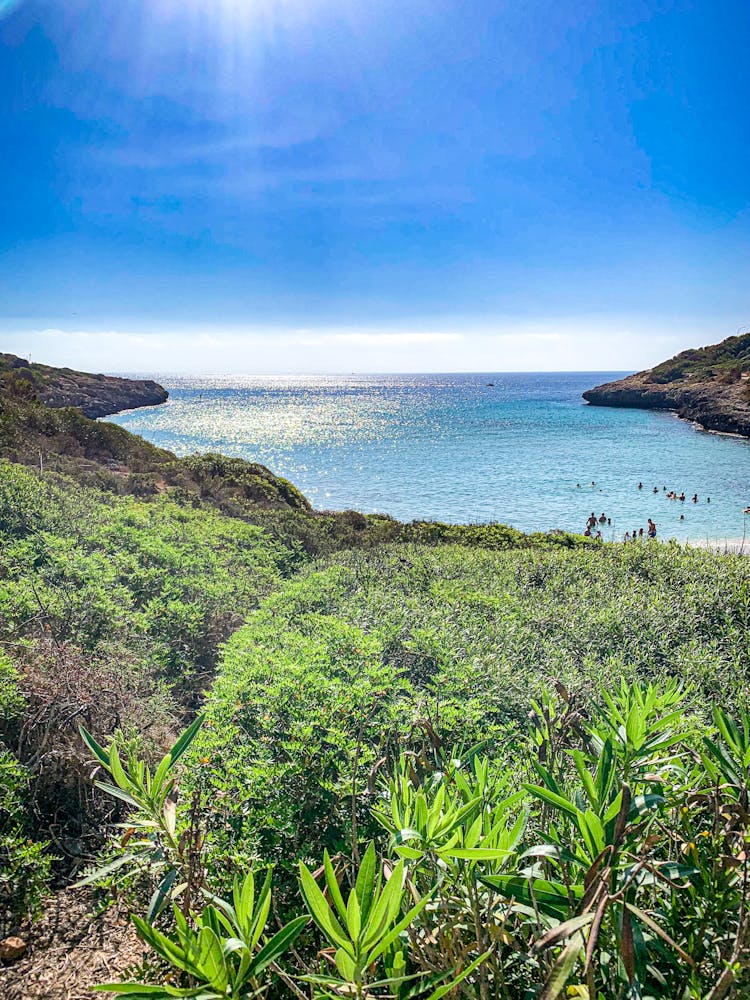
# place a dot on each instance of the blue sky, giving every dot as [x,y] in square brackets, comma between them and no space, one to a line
[331,185]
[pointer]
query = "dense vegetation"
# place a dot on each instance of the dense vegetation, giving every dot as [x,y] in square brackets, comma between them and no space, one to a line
[111,612]
[416,647]
[403,696]
[605,857]
[725,361]
[520,726]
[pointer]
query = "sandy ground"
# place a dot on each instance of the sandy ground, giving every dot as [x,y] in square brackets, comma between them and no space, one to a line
[736,545]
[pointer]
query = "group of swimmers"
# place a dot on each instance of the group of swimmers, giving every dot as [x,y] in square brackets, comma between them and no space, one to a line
[593,530]
[591,525]
[674,495]
[650,532]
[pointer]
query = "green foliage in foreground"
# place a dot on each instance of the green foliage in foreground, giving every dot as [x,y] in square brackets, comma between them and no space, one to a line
[24,863]
[616,871]
[82,568]
[426,648]
[112,611]
[113,608]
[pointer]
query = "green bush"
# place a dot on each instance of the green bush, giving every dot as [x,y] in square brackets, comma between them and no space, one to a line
[113,610]
[607,858]
[415,647]
[24,863]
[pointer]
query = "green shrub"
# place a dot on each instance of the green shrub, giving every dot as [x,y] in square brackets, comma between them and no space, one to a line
[24,863]
[607,861]
[417,647]
[114,610]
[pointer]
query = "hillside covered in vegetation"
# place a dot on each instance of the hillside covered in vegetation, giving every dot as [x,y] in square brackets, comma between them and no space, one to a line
[94,395]
[478,763]
[707,385]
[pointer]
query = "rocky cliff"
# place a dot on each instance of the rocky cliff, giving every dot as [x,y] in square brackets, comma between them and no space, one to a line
[94,395]
[708,385]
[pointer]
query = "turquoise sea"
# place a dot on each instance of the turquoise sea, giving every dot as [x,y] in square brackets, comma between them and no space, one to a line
[456,448]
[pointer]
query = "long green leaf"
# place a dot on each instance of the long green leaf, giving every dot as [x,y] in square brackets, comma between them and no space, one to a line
[365,884]
[319,909]
[98,751]
[553,799]
[447,987]
[384,944]
[186,739]
[116,792]
[333,886]
[278,944]
[105,870]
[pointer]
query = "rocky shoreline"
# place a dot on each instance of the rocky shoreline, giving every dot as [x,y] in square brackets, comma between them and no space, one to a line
[95,395]
[716,396]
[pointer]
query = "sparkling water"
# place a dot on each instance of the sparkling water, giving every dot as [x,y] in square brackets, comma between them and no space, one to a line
[465,448]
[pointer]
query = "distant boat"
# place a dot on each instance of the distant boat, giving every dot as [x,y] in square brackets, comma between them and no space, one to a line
[491,385]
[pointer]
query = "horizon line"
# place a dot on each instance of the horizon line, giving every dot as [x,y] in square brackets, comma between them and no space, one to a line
[152,373]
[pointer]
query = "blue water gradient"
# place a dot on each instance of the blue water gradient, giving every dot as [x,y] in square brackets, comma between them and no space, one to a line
[453,448]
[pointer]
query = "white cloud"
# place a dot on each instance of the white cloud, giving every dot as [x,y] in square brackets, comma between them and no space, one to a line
[378,339]
[586,343]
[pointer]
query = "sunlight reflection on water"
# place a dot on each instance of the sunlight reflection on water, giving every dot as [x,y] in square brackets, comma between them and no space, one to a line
[453,448]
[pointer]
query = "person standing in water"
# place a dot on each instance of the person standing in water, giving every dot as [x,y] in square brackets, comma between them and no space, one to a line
[651,529]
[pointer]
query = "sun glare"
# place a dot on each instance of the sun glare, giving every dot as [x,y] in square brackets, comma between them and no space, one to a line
[239,12]
[8,6]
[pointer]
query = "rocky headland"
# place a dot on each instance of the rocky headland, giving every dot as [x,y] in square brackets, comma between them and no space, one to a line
[95,395]
[47,419]
[708,385]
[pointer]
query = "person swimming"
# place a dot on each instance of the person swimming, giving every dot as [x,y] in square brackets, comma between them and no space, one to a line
[640,486]
[695,498]
[602,518]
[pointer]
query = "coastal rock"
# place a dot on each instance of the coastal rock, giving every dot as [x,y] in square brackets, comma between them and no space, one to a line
[709,386]
[95,395]
[45,421]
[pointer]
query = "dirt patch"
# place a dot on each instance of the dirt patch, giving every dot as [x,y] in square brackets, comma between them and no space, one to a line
[70,949]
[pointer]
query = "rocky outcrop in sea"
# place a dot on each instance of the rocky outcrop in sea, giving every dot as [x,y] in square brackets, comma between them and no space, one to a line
[709,386]
[95,395]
